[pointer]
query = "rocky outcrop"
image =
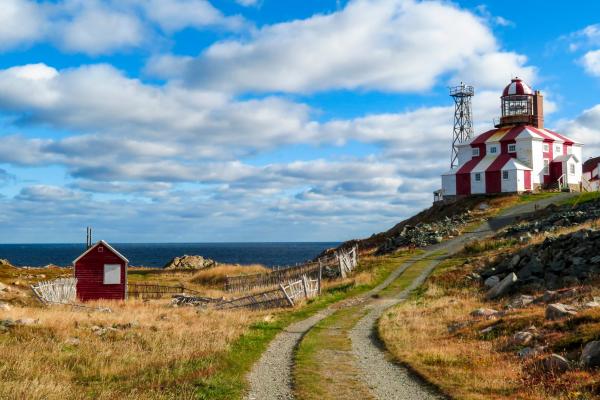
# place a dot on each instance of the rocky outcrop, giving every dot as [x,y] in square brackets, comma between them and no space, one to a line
[553,364]
[425,234]
[590,356]
[190,262]
[502,287]
[557,262]
[559,311]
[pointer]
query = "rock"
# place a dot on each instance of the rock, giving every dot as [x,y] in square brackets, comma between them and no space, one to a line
[522,338]
[590,356]
[514,261]
[589,304]
[26,321]
[557,311]
[487,330]
[5,262]
[3,287]
[483,206]
[5,306]
[7,323]
[502,287]
[533,267]
[491,281]
[520,301]
[73,341]
[438,239]
[190,262]
[529,352]
[553,363]
[595,260]
[484,312]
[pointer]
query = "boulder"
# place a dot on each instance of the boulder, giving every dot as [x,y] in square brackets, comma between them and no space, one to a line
[5,263]
[520,301]
[502,287]
[484,312]
[529,352]
[553,363]
[558,311]
[3,287]
[4,306]
[190,262]
[492,281]
[26,321]
[590,356]
[522,338]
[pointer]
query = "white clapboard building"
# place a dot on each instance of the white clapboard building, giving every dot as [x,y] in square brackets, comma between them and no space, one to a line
[518,155]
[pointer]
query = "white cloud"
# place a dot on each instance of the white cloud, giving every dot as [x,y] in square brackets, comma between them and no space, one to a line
[591,62]
[96,29]
[585,128]
[21,22]
[388,45]
[249,3]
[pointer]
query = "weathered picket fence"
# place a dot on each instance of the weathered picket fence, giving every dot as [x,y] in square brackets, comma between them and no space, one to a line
[287,295]
[58,291]
[155,290]
[344,260]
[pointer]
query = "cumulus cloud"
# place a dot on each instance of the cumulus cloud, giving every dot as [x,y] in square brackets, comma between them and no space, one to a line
[21,22]
[585,128]
[591,62]
[410,45]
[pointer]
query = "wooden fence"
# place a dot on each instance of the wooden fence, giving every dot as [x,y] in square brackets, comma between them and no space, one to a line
[155,291]
[287,295]
[345,261]
[58,291]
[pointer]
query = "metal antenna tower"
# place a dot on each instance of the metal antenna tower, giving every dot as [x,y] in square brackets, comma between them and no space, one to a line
[463,122]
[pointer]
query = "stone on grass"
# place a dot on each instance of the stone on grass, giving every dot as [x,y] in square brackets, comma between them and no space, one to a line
[502,287]
[3,287]
[491,281]
[26,321]
[73,341]
[522,338]
[520,301]
[529,352]
[558,311]
[553,363]
[484,312]
[590,356]
[592,304]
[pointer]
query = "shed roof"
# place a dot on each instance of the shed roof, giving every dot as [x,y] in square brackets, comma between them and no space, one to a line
[108,246]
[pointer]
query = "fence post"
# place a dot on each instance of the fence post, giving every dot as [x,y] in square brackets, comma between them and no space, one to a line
[320,274]
[286,295]
[304,286]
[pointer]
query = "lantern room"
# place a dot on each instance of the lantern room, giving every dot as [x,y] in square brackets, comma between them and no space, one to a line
[521,105]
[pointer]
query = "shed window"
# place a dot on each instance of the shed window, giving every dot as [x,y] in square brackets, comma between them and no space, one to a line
[546,148]
[478,177]
[475,151]
[572,169]
[505,175]
[546,167]
[493,150]
[512,148]
[112,274]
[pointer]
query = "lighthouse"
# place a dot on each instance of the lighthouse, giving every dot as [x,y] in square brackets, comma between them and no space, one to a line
[518,155]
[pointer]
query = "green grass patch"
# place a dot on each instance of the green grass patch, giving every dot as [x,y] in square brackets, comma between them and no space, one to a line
[580,199]
[482,246]
[529,197]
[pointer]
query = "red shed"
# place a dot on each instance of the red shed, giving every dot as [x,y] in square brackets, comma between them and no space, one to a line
[101,273]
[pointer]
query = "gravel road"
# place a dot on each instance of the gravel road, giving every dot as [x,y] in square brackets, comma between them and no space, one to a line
[271,377]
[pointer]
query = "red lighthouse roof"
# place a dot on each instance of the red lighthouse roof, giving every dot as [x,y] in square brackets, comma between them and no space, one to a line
[517,87]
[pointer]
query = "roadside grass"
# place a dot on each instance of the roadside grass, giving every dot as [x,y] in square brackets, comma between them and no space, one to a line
[530,197]
[584,197]
[324,364]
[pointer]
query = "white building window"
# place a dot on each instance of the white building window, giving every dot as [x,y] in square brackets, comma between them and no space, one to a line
[512,148]
[546,147]
[558,149]
[112,274]
[493,150]
[475,151]
[572,169]
[505,175]
[478,177]
[546,166]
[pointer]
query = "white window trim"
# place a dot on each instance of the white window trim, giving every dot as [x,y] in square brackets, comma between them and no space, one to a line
[475,152]
[505,173]
[112,274]
[493,149]
[546,147]
[477,177]
[546,169]
[512,148]
[558,149]
[571,169]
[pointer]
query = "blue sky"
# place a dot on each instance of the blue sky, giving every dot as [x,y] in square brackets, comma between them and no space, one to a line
[262,120]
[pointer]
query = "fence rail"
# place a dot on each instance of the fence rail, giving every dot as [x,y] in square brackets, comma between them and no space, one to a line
[155,291]
[58,291]
[345,261]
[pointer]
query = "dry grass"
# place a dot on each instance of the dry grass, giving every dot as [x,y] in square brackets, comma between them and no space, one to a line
[160,356]
[215,277]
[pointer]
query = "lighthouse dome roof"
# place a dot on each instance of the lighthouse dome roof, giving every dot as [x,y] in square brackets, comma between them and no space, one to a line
[517,87]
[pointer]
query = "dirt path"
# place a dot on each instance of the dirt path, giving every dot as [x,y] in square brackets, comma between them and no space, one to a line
[271,376]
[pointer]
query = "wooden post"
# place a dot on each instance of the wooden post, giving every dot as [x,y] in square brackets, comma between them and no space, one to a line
[320,274]
[286,295]
[304,286]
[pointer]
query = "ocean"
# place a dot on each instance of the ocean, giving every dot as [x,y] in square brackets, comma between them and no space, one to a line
[158,254]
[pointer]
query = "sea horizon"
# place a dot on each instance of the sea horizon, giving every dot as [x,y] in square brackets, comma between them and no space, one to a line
[157,254]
